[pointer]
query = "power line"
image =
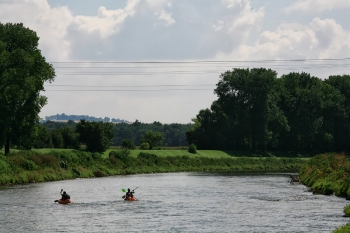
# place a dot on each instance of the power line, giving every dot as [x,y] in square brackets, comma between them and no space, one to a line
[201,61]
[136,90]
[171,85]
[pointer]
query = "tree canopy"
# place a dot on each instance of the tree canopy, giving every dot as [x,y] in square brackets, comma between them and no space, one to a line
[23,72]
[96,135]
[153,139]
[255,110]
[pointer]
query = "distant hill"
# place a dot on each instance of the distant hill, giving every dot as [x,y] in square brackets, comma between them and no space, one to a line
[63,118]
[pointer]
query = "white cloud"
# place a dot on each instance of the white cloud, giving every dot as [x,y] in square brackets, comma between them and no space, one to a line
[321,39]
[189,30]
[49,23]
[233,3]
[166,17]
[316,5]
[107,22]
[248,17]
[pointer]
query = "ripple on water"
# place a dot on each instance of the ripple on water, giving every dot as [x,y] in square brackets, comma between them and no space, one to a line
[172,202]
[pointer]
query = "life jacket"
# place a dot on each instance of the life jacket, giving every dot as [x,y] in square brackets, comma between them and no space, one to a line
[65,196]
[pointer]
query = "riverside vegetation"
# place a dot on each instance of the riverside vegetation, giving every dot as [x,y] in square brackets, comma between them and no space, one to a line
[49,165]
[329,174]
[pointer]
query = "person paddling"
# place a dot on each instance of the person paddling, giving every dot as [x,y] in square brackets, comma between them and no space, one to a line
[64,196]
[129,193]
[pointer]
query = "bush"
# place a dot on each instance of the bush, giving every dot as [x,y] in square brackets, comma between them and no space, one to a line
[128,144]
[30,165]
[343,229]
[347,210]
[147,156]
[144,146]
[120,155]
[192,149]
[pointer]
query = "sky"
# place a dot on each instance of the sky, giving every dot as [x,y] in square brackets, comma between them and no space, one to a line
[160,60]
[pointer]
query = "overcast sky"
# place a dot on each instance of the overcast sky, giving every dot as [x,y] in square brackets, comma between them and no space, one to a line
[160,60]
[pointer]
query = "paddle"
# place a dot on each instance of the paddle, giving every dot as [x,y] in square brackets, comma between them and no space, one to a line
[61,194]
[123,190]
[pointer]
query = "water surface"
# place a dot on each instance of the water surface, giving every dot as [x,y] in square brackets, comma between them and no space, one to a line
[172,202]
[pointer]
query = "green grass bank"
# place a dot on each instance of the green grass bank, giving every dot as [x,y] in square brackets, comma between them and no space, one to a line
[21,167]
[329,174]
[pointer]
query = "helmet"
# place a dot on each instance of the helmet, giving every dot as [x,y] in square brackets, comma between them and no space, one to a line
[64,192]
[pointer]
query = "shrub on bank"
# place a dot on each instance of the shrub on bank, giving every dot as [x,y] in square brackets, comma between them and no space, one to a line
[31,166]
[343,229]
[347,211]
[327,174]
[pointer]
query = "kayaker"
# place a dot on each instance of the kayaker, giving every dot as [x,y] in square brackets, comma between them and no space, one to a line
[64,195]
[129,193]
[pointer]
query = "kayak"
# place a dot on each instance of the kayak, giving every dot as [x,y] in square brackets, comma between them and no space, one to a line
[67,201]
[130,199]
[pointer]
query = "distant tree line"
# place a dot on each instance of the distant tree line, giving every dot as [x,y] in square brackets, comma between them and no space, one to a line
[255,110]
[64,117]
[98,136]
[174,135]
[95,135]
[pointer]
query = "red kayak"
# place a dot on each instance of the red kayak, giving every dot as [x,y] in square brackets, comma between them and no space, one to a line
[130,199]
[67,201]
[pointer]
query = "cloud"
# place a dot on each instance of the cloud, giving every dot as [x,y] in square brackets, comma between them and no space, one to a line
[107,22]
[49,23]
[321,39]
[158,30]
[316,5]
[166,17]
[233,3]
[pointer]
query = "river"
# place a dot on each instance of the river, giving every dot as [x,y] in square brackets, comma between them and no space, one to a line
[172,202]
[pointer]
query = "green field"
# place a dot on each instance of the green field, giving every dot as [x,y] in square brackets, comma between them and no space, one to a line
[211,153]
[173,152]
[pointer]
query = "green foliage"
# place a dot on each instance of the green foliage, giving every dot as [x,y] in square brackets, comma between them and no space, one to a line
[327,174]
[96,135]
[76,173]
[32,166]
[70,138]
[347,210]
[23,72]
[129,144]
[121,157]
[43,138]
[57,139]
[174,134]
[343,229]
[255,110]
[144,146]
[152,138]
[192,148]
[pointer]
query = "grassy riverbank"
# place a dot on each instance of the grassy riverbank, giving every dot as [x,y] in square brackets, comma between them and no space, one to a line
[329,174]
[42,165]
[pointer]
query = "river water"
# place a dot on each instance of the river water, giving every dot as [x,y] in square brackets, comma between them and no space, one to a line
[172,202]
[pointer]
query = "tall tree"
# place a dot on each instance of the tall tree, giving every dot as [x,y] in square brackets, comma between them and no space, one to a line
[341,118]
[97,135]
[23,72]
[152,138]
[246,96]
[301,101]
